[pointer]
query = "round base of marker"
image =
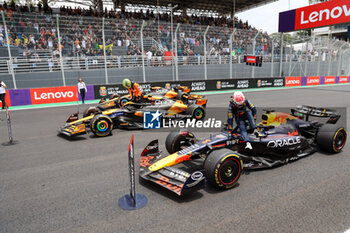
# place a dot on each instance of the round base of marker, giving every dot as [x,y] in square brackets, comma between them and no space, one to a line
[126,202]
[14,142]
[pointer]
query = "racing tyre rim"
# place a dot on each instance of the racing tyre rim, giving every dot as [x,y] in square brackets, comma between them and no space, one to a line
[198,114]
[123,102]
[229,171]
[340,139]
[102,126]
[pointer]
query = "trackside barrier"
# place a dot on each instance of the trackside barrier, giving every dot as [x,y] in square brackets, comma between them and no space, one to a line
[53,95]
[133,200]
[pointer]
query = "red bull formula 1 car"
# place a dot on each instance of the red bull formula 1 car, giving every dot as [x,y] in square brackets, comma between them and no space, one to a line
[220,158]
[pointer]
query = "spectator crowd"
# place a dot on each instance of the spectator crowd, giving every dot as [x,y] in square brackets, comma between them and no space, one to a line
[32,28]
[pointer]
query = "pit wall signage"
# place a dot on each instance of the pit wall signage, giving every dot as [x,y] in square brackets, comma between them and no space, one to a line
[49,95]
[317,15]
[315,80]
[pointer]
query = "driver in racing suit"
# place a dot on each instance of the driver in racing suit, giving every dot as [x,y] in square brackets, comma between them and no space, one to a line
[241,110]
[135,90]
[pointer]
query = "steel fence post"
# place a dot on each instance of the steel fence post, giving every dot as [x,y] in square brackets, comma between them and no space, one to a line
[254,45]
[205,53]
[176,59]
[272,53]
[104,48]
[231,50]
[60,50]
[281,56]
[143,52]
[319,57]
[329,57]
[306,57]
[340,57]
[9,51]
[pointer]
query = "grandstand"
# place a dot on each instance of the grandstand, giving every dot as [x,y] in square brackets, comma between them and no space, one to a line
[35,35]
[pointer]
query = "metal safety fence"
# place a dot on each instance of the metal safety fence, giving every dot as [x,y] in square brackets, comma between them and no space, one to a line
[36,44]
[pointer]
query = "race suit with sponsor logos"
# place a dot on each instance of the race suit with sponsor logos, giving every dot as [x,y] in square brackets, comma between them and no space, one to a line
[246,111]
[135,91]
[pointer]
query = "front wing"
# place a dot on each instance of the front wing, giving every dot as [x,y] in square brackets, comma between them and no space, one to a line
[171,178]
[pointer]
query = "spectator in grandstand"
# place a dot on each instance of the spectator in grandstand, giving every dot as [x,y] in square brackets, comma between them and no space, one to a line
[82,90]
[2,94]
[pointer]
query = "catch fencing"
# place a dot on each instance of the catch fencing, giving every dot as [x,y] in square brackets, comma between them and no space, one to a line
[41,50]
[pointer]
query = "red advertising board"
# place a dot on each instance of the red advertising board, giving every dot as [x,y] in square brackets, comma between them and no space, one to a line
[313,81]
[293,81]
[329,80]
[7,99]
[343,79]
[251,59]
[323,14]
[53,95]
[317,15]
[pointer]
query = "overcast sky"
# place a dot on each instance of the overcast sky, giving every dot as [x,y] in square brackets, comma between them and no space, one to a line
[266,17]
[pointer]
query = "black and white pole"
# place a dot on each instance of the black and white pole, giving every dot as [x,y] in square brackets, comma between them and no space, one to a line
[9,127]
[133,200]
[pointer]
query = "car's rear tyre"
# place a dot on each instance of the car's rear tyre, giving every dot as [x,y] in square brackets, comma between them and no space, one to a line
[331,138]
[223,168]
[123,100]
[101,125]
[196,111]
[177,140]
[90,111]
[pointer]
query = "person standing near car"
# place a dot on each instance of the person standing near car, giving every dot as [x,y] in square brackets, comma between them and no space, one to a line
[3,94]
[135,90]
[241,110]
[82,89]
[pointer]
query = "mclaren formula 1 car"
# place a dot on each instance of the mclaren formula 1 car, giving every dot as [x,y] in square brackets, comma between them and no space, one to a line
[130,116]
[220,158]
[157,94]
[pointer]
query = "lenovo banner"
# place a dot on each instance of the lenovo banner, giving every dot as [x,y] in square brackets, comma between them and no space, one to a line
[318,15]
[293,81]
[342,79]
[310,81]
[328,80]
[53,95]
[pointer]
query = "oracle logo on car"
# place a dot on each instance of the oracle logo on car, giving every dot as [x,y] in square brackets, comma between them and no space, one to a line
[53,95]
[293,81]
[313,80]
[317,15]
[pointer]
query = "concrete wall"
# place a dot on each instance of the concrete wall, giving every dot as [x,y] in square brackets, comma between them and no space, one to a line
[186,72]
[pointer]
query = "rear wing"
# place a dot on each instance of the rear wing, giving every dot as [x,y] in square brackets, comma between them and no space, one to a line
[305,112]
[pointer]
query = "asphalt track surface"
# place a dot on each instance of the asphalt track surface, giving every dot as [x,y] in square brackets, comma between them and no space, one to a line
[50,184]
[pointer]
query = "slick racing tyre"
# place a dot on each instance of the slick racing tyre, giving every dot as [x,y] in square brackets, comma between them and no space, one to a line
[101,125]
[177,140]
[331,138]
[122,100]
[90,111]
[223,168]
[196,111]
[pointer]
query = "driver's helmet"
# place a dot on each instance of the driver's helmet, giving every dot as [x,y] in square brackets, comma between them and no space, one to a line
[127,83]
[238,98]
